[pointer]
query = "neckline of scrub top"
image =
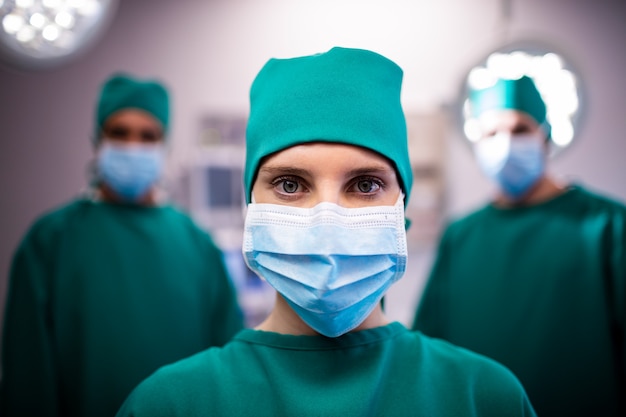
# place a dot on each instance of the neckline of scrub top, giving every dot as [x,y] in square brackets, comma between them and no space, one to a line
[94,195]
[571,191]
[113,205]
[319,342]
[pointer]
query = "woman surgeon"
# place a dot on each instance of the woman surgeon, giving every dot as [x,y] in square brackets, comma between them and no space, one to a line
[327,178]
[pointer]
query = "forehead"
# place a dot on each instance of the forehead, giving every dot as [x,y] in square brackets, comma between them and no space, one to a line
[133,118]
[327,155]
[506,120]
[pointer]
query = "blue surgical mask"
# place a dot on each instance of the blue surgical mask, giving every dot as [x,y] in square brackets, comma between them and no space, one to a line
[515,162]
[130,170]
[332,264]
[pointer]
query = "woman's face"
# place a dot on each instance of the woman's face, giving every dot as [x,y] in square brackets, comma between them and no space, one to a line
[308,174]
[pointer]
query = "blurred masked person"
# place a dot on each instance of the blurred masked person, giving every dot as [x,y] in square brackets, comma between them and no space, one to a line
[113,285]
[536,279]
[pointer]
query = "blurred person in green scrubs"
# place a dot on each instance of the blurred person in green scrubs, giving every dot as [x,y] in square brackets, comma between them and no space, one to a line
[536,279]
[115,284]
[327,177]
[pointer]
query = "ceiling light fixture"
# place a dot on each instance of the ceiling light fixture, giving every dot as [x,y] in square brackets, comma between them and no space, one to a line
[40,34]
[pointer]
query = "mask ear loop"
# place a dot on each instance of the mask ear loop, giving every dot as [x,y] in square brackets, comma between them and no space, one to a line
[400,202]
[407,224]
[244,207]
[400,199]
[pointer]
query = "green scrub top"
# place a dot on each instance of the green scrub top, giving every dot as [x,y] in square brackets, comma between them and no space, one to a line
[100,296]
[541,289]
[385,371]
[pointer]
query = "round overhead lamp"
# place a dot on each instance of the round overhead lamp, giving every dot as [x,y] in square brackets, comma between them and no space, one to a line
[42,34]
[557,81]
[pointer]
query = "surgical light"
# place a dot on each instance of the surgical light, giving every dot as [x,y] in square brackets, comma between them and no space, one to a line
[38,34]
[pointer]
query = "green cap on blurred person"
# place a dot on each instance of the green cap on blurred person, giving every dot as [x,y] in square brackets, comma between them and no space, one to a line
[349,96]
[520,94]
[122,91]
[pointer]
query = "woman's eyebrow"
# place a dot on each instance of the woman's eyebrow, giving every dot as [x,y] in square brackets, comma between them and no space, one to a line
[295,171]
[284,170]
[375,169]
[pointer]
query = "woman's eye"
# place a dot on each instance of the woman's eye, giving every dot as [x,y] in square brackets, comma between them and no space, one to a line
[367,186]
[289,186]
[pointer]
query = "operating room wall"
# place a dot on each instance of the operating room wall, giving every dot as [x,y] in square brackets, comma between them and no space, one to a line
[208,52]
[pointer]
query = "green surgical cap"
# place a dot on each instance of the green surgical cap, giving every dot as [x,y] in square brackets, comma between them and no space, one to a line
[520,94]
[124,92]
[349,96]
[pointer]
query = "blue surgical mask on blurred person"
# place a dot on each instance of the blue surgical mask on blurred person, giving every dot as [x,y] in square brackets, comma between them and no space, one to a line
[130,170]
[515,162]
[332,264]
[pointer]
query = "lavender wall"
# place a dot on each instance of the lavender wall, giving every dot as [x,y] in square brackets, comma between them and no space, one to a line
[209,52]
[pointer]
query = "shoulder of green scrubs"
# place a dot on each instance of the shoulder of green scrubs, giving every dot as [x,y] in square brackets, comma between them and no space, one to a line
[386,371]
[541,289]
[101,295]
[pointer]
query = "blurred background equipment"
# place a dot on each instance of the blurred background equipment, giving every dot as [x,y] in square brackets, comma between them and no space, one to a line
[211,189]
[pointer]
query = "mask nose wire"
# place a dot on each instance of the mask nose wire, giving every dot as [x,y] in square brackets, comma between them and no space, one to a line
[400,199]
